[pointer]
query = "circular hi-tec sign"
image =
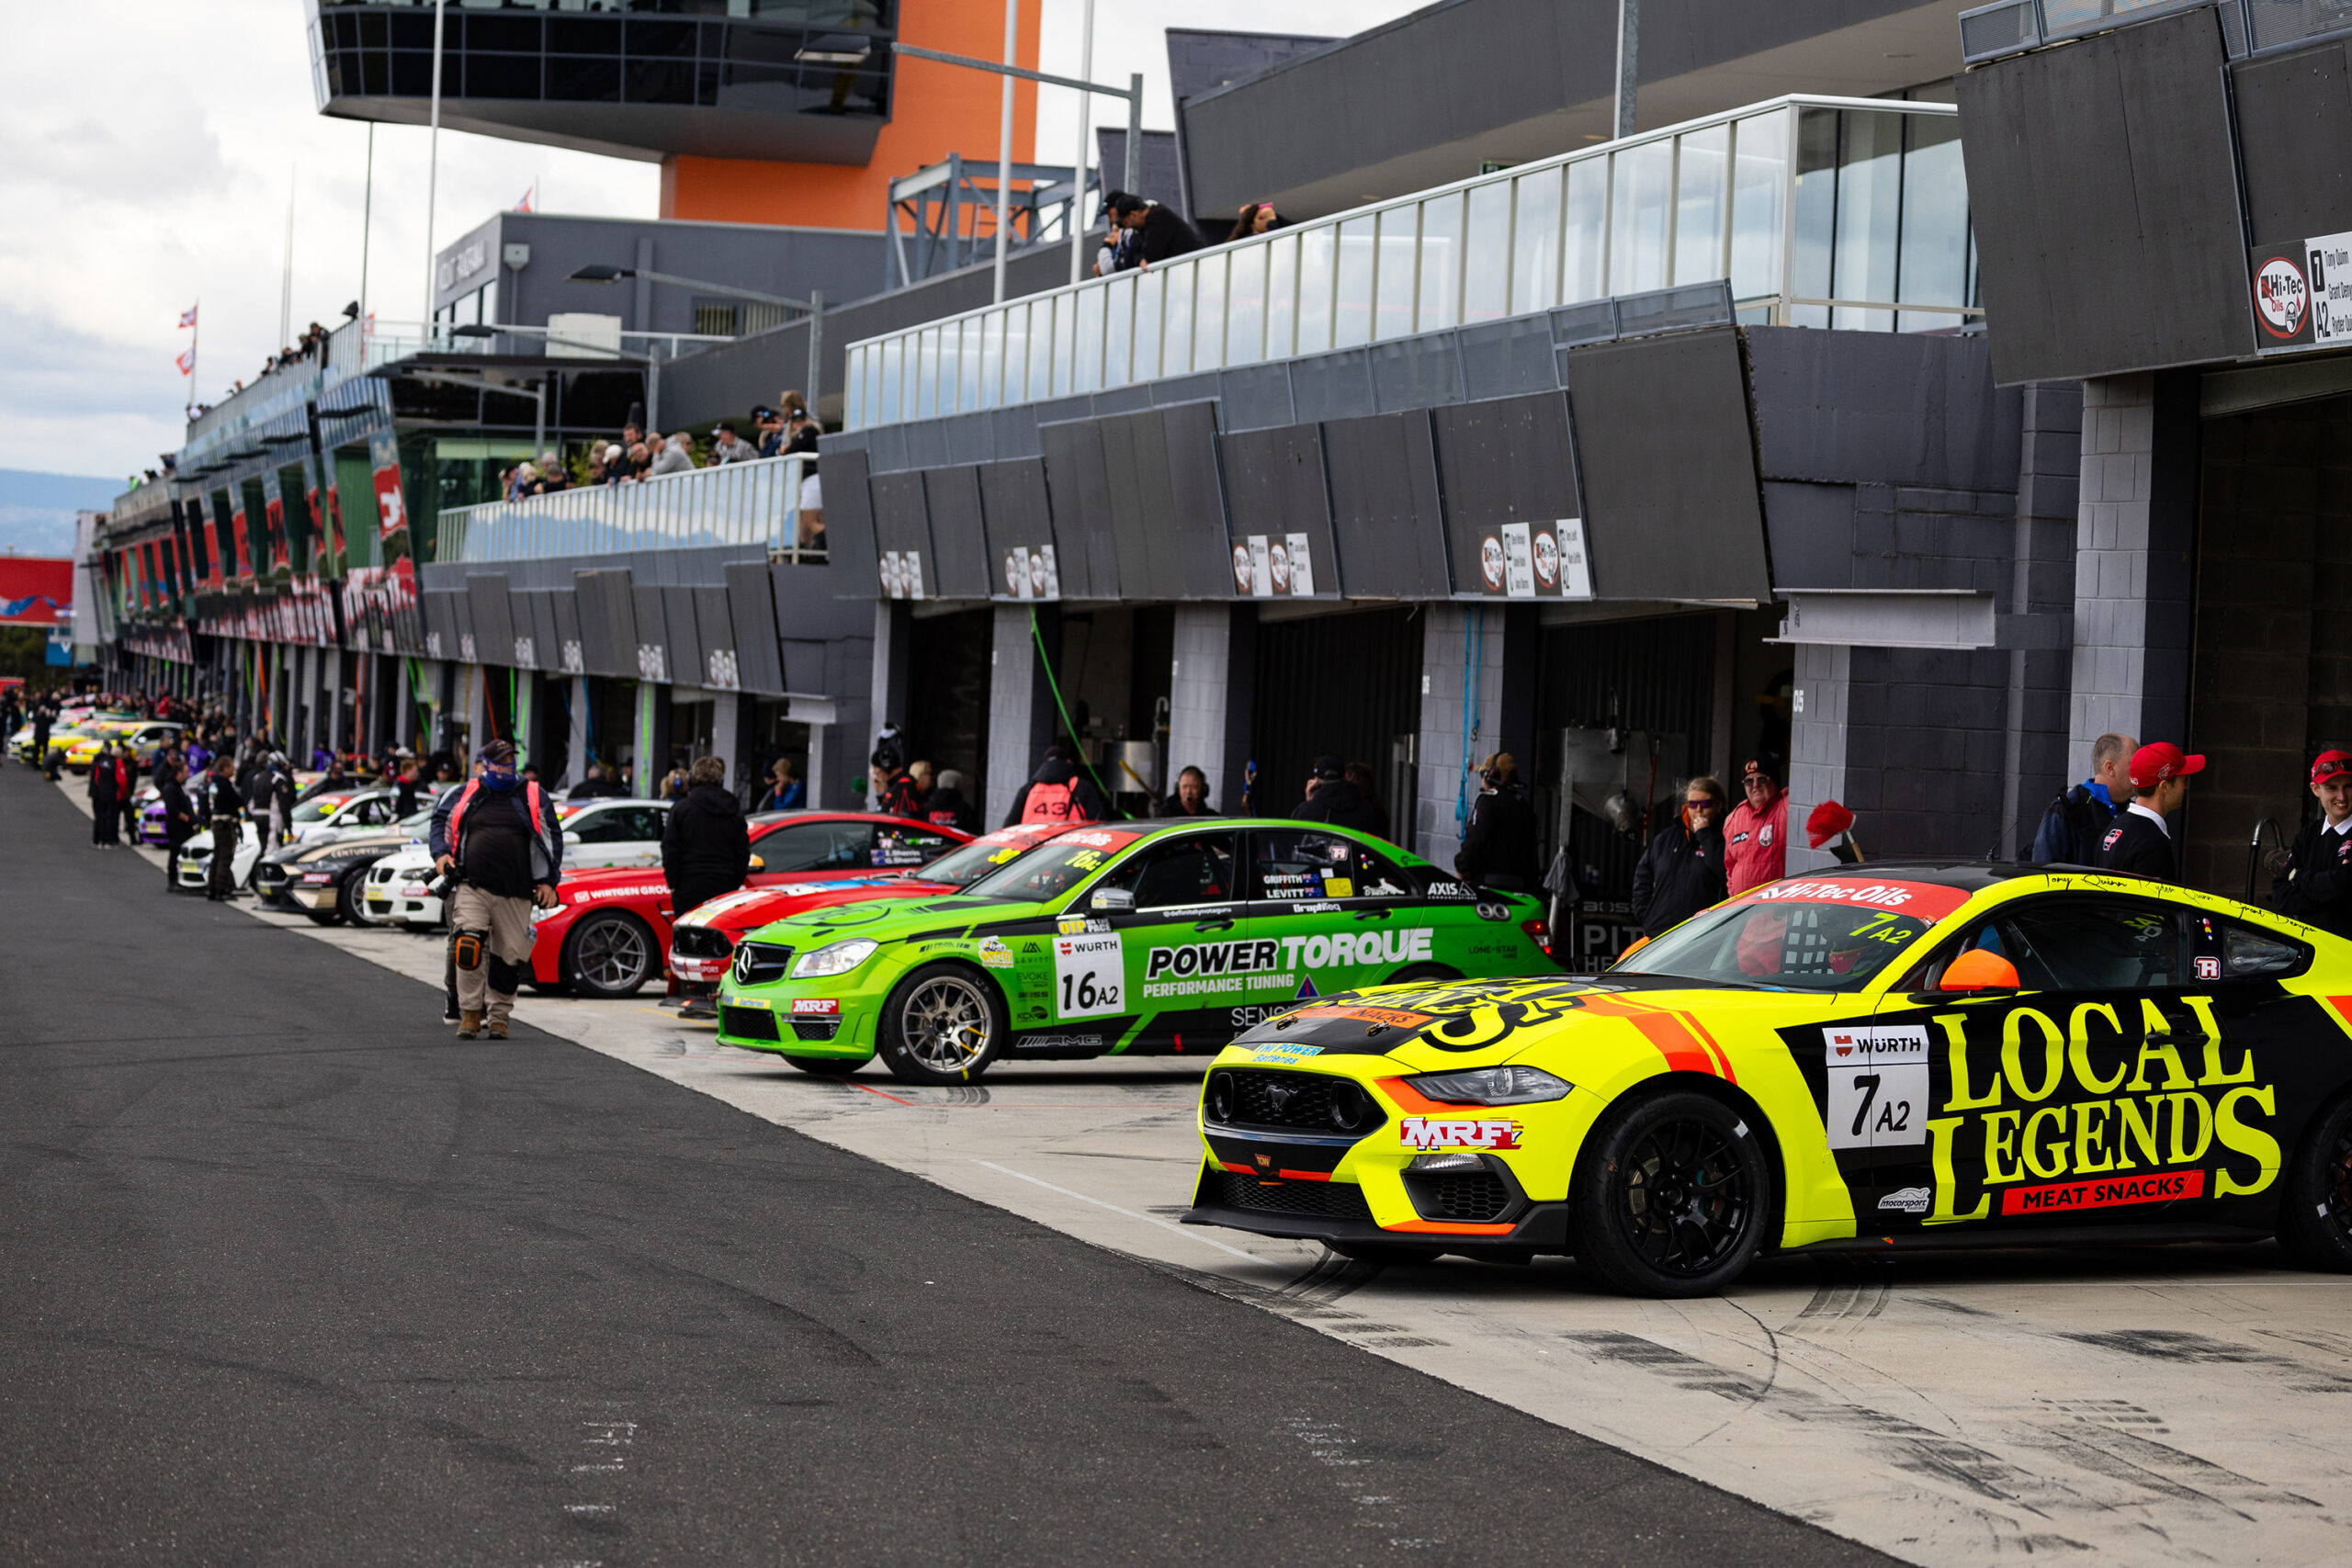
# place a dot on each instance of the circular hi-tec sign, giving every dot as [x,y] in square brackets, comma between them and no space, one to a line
[2283,296]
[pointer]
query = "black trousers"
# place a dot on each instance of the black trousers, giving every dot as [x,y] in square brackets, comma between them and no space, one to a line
[226,838]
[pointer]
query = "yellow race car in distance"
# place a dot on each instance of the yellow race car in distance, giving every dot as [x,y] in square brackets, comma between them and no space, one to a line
[1869,1058]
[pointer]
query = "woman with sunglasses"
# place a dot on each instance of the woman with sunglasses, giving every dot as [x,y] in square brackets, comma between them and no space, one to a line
[1681,872]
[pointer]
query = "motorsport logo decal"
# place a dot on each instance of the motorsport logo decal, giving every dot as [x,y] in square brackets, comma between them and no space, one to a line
[1487,1132]
[1285,1051]
[1906,1200]
[994,955]
[2281,296]
[815,1007]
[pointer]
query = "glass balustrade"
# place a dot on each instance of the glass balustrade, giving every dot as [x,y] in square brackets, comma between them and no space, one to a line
[1847,213]
[755,504]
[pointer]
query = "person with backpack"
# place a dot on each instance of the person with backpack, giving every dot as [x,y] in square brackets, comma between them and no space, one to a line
[2072,825]
[1059,791]
[499,839]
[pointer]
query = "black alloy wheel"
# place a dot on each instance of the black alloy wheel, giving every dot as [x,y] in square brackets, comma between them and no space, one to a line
[2315,1197]
[609,954]
[1671,1195]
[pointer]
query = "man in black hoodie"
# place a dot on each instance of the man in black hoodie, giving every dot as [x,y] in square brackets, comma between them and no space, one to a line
[706,846]
[1059,791]
[1330,797]
[1682,871]
[1160,234]
[943,804]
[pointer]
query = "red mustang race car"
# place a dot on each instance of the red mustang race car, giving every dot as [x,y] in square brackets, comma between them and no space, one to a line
[607,937]
[704,943]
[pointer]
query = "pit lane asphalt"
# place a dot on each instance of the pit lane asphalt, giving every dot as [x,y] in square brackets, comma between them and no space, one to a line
[289,1275]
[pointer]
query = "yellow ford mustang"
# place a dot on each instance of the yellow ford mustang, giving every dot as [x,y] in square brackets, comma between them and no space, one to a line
[1864,1059]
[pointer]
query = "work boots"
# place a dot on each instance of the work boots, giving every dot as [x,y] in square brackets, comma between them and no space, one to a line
[470,1025]
[496,1029]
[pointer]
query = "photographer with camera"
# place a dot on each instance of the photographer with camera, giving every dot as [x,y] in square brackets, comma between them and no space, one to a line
[497,841]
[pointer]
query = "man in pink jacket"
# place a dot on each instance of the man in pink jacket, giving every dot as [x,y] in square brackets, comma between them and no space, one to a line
[1755,848]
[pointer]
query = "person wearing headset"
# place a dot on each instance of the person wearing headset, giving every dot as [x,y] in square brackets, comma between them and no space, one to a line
[1499,844]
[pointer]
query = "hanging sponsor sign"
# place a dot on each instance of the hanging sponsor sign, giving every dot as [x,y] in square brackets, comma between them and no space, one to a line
[1274,566]
[384,463]
[273,509]
[2302,292]
[902,574]
[1534,561]
[1031,573]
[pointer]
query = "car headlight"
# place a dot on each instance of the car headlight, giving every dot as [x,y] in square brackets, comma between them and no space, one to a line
[839,958]
[539,914]
[1491,1086]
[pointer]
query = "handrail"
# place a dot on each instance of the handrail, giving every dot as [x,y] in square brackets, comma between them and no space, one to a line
[755,502]
[1714,198]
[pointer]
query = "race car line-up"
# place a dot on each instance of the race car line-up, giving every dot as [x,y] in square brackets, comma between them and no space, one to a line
[1872,1057]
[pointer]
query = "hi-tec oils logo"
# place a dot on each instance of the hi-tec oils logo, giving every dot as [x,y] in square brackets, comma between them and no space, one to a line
[1486,1133]
[2282,296]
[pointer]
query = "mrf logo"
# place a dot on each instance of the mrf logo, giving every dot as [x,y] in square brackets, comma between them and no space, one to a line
[1487,1132]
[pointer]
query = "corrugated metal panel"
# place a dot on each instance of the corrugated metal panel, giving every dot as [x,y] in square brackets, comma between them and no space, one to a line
[650,657]
[681,618]
[1080,493]
[1274,480]
[571,654]
[1671,500]
[494,627]
[1202,542]
[960,568]
[1016,515]
[849,526]
[751,610]
[1385,512]
[1508,460]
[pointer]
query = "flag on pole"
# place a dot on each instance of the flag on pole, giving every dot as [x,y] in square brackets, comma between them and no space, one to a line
[185,360]
[188,316]
[525,205]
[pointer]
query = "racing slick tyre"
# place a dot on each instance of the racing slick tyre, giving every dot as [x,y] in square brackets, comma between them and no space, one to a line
[353,902]
[2316,1199]
[1671,1196]
[826,1067]
[609,954]
[944,1024]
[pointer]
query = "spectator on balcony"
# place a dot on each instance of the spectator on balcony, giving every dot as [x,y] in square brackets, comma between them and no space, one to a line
[1118,253]
[731,447]
[519,479]
[800,433]
[551,477]
[640,459]
[1256,218]
[674,458]
[812,534]
[1160,234]
[767,431]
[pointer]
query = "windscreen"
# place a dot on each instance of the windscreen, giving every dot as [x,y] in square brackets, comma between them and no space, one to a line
[1053,869]
[1787,935]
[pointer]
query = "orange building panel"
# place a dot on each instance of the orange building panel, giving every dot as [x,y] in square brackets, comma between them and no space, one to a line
[934,110]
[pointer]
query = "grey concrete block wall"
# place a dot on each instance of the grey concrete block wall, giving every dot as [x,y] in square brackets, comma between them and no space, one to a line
[1818,743]
[1012,711]
[1209,697]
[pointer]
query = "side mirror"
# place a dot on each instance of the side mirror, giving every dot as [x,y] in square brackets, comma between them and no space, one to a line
[571,841]
[1977,970]
[1112,899]
[759,863]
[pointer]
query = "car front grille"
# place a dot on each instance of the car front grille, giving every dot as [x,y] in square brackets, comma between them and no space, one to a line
[824,1030]
[761,963]
[747,1023]
[271,878]
[1319,1200]
[1242,1097]
[1476,1197]
[699,942]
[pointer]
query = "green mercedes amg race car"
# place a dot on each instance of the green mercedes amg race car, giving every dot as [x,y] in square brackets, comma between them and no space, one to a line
[1142,938]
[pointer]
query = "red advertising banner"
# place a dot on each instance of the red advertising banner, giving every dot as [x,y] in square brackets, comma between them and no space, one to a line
[241,563]
[273,502]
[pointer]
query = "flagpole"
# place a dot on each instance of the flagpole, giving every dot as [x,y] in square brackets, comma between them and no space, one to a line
[194,336]
[432,169]
[366,220]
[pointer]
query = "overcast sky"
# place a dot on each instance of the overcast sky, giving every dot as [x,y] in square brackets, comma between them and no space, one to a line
[154,144]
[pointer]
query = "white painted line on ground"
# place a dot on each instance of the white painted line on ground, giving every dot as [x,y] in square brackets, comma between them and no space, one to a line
[1146,1219]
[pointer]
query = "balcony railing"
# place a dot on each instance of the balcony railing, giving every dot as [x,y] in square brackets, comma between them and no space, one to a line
[1831,212]
[737,503]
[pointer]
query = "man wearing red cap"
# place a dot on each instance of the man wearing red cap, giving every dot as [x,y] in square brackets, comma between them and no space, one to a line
[2316,887]
[2141,840]
[1755,848]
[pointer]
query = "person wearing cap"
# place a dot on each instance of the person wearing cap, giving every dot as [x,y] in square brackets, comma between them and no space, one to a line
[1756,835]
[1331,797]
[1681,872]
[1498,842]
[2316,886]
[2141,840]
[499,839]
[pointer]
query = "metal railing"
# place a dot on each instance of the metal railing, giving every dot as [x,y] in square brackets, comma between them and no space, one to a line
[2009,27]
[736,503]
[1821,212]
